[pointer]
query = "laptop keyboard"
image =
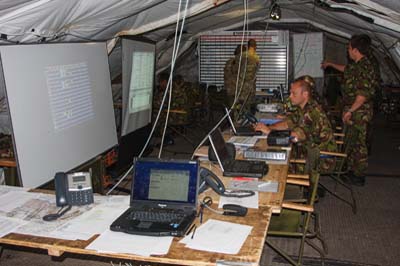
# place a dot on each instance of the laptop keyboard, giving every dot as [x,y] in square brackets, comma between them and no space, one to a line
[245,166]
[265,155]
[156,215]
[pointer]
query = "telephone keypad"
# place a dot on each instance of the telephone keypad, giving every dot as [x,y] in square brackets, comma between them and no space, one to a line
[82,197]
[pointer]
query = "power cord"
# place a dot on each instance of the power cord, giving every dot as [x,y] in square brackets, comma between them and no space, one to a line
[55,216]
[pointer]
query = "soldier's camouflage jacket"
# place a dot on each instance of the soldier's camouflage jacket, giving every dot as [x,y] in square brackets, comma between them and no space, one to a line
[314,129]
[360,79]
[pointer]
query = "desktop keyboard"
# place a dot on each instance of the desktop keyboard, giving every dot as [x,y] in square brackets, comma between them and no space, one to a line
[156,215]
[272,155]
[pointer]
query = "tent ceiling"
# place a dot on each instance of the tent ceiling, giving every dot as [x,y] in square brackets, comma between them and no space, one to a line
[32,21]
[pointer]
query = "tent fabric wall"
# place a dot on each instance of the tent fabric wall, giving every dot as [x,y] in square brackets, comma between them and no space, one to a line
[33,21]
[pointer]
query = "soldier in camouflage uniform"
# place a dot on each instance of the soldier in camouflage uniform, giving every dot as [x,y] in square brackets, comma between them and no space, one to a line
[249,64]
[308,123]
[179,103]
[360,81]
[230,76]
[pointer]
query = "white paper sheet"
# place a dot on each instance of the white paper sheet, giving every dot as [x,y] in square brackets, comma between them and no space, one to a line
[95,221]
[248,202]
[8,225]
[218,236]
[116,242]
[10,201]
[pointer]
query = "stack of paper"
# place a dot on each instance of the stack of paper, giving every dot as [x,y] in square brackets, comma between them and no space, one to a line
[218,236]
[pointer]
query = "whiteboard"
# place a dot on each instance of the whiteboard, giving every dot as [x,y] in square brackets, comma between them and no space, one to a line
[308,54]
[60,104]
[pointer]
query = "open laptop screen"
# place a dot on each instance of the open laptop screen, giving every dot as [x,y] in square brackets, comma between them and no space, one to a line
[158,180]
[220,146]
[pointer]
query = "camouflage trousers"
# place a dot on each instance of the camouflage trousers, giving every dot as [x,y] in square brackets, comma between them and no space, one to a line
[357,160]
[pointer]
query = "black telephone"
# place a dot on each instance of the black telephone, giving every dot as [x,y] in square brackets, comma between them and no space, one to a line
[249,118]
[209,179]
[73,189]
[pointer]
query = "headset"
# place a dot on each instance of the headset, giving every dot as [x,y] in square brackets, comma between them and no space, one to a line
[209,179]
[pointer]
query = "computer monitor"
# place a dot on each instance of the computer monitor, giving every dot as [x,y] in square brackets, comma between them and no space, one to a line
[60,104]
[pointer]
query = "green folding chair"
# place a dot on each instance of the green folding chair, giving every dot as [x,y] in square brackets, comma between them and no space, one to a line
[299,220]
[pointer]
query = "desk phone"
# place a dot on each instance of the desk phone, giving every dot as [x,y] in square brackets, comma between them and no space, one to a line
[73,189]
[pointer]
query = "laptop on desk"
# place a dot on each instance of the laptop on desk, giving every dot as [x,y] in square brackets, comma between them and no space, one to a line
[230,166]
[242,130]
[163,198]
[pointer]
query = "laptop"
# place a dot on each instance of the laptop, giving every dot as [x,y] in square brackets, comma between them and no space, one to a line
[163,198]
[242,130]
[232,167]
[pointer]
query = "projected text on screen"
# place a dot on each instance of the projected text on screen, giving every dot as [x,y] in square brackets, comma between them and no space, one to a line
[141,85]
[70,96]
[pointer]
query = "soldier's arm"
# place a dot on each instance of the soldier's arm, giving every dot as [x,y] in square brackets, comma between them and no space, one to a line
[338,67]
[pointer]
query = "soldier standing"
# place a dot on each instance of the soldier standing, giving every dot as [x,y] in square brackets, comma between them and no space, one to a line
[247,76]
[360,81]
[308,122]
[230,76]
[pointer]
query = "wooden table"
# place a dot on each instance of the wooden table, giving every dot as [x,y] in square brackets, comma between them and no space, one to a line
[277,172]
[178,254]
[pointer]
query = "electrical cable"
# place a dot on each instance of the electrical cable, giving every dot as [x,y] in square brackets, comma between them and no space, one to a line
[58,214]
[237,82]
[169,86]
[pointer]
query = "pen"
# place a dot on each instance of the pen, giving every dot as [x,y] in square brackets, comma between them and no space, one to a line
[194,231]
[190,229]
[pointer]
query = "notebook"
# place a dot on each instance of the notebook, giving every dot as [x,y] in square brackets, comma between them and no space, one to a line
[232,167]
[243,130]
[163,198]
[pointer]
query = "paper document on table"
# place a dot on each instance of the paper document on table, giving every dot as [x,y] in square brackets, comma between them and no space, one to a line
[262,186]
[14,199]
[5,189]
[218,236]
[248,202]
[243,141]
[117,242]
[95,221]
[7,225]
[34,210]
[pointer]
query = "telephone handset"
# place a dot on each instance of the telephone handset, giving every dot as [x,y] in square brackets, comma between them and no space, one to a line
[249,118]
[73,189]
[209,179]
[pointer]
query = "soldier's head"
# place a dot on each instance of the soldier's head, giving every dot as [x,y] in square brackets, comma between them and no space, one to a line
[359,46]
[310,80]
[178,80]
[300,92]
[240,48]
[252,44]
[163,80]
